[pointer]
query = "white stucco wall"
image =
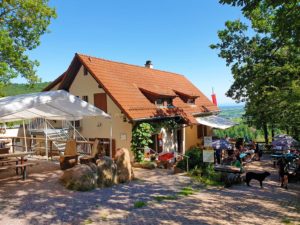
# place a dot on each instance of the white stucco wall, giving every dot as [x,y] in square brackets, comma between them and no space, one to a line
[169,140]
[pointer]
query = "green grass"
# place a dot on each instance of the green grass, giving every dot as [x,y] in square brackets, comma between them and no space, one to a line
[286,221]
[161,198]
[208,181]
[186,191]
[139,204]
[88,221]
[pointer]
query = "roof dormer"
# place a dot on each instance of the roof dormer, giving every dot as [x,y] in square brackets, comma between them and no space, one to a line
[160,98]
[186,97]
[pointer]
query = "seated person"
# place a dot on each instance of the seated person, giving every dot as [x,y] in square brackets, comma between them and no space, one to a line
[238,163]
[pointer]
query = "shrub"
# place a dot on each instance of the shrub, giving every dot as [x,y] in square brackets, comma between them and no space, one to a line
[141,138]
[139,204]
[195,159]
[206,175]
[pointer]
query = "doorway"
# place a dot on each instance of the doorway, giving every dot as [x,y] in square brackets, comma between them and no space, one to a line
[179,140]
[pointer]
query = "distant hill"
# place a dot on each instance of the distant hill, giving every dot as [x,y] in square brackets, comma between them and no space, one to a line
[232,112]
[17,89]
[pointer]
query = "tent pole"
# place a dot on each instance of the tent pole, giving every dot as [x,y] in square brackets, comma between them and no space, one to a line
[74,129]
[110,140]
[24,133]
[46,141]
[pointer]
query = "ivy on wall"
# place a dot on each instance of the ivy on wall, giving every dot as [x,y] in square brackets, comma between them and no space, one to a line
[142,132]
[141,138]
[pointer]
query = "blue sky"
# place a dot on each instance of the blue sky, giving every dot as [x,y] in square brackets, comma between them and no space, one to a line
[175,35]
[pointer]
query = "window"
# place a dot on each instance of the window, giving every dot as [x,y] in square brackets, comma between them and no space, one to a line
[159,102]
[164,102]
[77,123]
[190,101]
[201,131]
[85,71]
[85,98]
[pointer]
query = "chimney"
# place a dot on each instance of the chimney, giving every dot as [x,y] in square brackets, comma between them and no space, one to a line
[149,64]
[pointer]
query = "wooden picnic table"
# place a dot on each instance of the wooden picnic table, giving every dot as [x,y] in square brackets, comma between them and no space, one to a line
[16,154]
[4,150]
[20,162]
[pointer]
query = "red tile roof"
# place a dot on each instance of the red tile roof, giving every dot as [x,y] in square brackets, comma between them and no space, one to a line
[124,84]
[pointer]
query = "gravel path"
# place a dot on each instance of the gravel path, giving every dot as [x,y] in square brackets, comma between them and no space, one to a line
[42,200]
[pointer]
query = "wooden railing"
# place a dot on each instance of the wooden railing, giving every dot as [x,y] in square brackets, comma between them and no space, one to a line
[38,145]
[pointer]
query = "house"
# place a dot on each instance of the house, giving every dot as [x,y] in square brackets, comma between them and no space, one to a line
[134,94]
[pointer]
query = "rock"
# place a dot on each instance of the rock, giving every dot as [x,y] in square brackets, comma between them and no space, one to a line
[230,179]
[124,167]
[145,165]
[107,172]
[81,177]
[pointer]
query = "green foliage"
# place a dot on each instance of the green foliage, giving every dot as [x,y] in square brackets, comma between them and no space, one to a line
[195,159]
[286,221]
[22,23]
[139,204]
[265,66]
[168,124]
[186,191]
[141,138]
[161,198]
[278,18]
[17,89]
[206,175]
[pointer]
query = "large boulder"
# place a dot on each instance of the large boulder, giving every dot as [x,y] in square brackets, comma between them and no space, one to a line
[107,172]
[82,177]
[124,167]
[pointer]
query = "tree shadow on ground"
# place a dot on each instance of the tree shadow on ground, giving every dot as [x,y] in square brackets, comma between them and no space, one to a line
[41,199]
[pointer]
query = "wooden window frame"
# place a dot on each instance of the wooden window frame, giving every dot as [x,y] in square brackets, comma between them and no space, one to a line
[85,71]
[85,98]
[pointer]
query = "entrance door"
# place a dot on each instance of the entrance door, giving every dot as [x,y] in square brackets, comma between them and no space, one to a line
[157,143]
[179,140]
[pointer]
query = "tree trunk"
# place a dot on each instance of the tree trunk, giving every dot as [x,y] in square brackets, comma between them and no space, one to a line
[296,133]
[273,132]
[265,130]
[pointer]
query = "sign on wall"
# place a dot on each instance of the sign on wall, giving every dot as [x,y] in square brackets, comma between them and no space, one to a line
[207,141]
[208,156]
[123,137]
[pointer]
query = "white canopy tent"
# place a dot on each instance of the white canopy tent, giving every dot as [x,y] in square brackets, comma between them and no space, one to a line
[215,121]
[50,105]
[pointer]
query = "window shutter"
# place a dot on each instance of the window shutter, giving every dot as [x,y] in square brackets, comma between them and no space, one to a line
[100,101]
[201,131]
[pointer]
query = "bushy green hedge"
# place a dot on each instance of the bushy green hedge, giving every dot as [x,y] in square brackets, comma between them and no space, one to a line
[195,159]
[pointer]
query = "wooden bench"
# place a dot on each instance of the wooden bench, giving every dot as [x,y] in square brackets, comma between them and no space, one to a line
[4,150]
[22,166]
[8,161]
[228,169]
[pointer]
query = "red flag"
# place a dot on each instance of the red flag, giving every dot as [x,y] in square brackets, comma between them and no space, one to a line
[214,97]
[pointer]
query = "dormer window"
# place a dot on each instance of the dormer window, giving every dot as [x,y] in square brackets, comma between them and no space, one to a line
[164,102]
[190,101]
[188,98]
[160,97]
[159,102]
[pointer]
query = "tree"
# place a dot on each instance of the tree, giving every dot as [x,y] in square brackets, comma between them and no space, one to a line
[265,65]
[22,22]
[280,19]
